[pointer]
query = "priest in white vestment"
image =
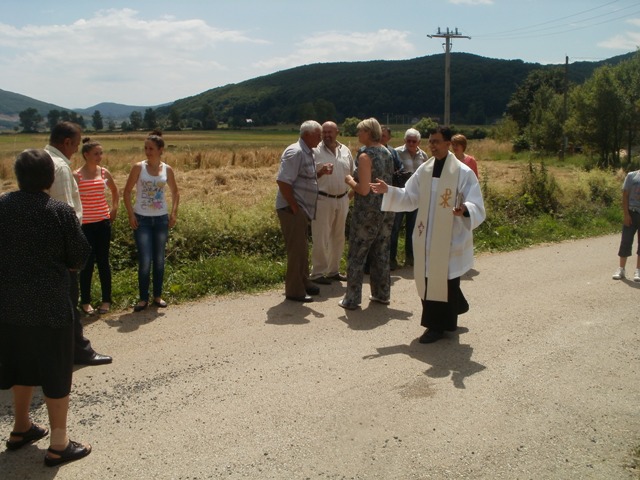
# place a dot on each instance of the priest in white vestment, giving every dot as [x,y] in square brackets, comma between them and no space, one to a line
[449,201]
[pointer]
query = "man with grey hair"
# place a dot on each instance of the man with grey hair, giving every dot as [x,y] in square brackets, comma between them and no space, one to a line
[296,206]
[327,229]
[412,156]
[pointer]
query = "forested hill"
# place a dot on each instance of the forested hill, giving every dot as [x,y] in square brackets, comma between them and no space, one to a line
[480,90]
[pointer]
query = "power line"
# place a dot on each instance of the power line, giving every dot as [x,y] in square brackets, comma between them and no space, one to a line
[527,32]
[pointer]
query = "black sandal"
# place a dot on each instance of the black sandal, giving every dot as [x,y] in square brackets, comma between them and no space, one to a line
[34,434]
[74,451]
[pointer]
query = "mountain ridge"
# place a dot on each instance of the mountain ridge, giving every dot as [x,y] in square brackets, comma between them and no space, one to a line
[480,86]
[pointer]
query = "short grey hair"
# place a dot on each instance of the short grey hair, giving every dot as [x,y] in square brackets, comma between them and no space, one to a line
[309,126]
[412,132]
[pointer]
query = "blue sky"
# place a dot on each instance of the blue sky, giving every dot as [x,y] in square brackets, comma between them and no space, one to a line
[77,54]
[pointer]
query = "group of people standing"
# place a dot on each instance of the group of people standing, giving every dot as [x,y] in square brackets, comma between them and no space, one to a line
[58,224]
[442,195]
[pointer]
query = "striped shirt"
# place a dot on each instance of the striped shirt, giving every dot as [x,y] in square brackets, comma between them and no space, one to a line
[94,202]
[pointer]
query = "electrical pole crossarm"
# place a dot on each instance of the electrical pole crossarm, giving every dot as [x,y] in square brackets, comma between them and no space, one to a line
[447,35]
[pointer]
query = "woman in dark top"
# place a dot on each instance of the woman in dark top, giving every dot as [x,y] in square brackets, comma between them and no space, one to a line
[370,228]
[41,240]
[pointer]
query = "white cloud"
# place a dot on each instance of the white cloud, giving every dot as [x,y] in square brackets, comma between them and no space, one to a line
[330,46]
[118,51]
[626,41]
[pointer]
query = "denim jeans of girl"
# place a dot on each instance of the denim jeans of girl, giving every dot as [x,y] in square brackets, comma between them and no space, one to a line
[151,238]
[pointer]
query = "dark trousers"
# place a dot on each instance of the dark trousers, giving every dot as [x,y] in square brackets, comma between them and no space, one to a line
[441,316]
[628,233]
[99,237]
[82,348]
[410,222]
[294,230]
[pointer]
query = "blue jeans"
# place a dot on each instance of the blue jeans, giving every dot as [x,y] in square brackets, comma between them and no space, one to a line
[151,238]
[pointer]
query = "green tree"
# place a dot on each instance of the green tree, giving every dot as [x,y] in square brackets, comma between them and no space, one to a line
[135,120]
[519,106]
[598,115]
[96,120]
[325,110]
[425,125]
[174,119]
[629,77]
[350,126]
[53,117]
[545,120]
[208,119]
[111,125]
[76,118]
[29,120]
[150,120]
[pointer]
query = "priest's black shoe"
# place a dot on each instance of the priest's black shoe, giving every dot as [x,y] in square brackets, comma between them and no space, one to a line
[431,336]
[95,359]
[304,298]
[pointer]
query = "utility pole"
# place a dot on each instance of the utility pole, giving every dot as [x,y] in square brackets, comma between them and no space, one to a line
[563,151]
[447,35]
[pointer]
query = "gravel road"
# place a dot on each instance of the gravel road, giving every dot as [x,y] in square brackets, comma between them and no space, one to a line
[540,382]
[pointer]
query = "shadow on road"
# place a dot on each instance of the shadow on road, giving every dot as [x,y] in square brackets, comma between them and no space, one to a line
[445,358]
[291,313]
[372,316]
[131,321]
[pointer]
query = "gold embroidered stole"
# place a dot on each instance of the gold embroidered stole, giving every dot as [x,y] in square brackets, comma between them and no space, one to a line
[441,230]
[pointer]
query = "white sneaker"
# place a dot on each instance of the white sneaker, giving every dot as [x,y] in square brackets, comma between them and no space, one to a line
[619,274]
[636,276]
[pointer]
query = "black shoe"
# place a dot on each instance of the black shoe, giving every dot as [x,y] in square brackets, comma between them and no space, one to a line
[140,307]
[321,281]
[34,434]
[95,359]
[338,276]
[303,299]
[431,336]
[312,290]
[74,451]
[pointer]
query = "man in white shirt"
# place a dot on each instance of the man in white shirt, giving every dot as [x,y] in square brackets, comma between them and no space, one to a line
[328,228]
[63,143]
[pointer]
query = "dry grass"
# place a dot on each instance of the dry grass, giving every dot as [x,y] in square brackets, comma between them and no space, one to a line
[217,169]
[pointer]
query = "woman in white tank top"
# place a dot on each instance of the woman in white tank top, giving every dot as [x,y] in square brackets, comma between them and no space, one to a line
[151,216]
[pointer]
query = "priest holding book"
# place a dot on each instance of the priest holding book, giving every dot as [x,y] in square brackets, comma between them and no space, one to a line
[447,195]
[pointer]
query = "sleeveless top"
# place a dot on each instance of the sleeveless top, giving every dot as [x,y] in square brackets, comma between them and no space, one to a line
[94,202]
[150,198]
[381,167]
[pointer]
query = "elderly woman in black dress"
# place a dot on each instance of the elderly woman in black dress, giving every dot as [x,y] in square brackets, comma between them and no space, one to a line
[41,241]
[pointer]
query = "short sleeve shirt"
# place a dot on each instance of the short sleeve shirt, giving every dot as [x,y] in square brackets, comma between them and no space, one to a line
[298,169]
[632,185]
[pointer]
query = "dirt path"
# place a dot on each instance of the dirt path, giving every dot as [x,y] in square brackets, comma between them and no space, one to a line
[540,383]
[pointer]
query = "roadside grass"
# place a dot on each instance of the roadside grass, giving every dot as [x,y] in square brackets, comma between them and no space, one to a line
[228,239]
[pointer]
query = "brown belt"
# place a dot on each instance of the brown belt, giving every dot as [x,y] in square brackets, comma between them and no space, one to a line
[324,194]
